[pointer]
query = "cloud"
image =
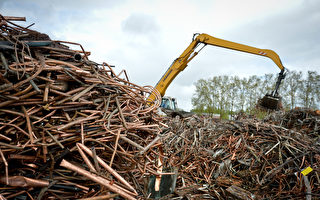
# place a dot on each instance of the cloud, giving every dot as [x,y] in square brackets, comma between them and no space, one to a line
[54,15]
[140,30]
[57,5]
[292,34]
[140,24]
[2,3]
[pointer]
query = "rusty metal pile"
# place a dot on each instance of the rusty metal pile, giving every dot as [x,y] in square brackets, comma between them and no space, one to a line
[243,159]
[304,120]
[69,127]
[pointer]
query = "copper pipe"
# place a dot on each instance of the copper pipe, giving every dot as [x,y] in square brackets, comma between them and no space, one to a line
[96,179]
[21,181]
[107,167]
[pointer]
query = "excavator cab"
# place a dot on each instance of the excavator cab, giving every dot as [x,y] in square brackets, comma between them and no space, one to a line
[273,101]
[169,107]
[169,103]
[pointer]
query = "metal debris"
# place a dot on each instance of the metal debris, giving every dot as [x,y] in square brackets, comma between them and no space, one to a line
[69,127]
[246,159]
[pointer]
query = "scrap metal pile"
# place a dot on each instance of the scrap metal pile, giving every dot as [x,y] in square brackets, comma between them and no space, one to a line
[70,128]
[246,159]
[299,119]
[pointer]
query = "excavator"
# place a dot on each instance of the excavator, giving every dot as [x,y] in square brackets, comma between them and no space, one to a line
[269,101]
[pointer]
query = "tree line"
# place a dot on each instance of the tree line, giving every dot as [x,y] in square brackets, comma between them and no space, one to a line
[230,94]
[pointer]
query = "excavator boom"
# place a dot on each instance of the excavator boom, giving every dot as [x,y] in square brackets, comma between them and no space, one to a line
[189,53]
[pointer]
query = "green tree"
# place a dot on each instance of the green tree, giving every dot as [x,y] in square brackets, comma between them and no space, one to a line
[310,90]
[226,95]
[234,87]
[292,84]
[253,92]
[201,100]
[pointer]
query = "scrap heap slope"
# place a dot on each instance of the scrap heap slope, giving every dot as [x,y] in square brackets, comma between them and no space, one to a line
[62,114]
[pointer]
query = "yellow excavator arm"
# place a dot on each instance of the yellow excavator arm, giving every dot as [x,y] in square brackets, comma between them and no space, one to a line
[181,62]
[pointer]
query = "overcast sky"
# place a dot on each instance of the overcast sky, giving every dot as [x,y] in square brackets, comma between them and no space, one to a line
[145,36]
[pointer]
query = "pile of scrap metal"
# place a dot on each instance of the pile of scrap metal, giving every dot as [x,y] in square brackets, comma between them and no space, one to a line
[69,127]
[304,120]
[246,158]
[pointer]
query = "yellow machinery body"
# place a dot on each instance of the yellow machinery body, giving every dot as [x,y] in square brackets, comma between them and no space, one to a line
[190,52]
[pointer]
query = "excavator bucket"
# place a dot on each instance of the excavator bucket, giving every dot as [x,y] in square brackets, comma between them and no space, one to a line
[270,102]
[273,101]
